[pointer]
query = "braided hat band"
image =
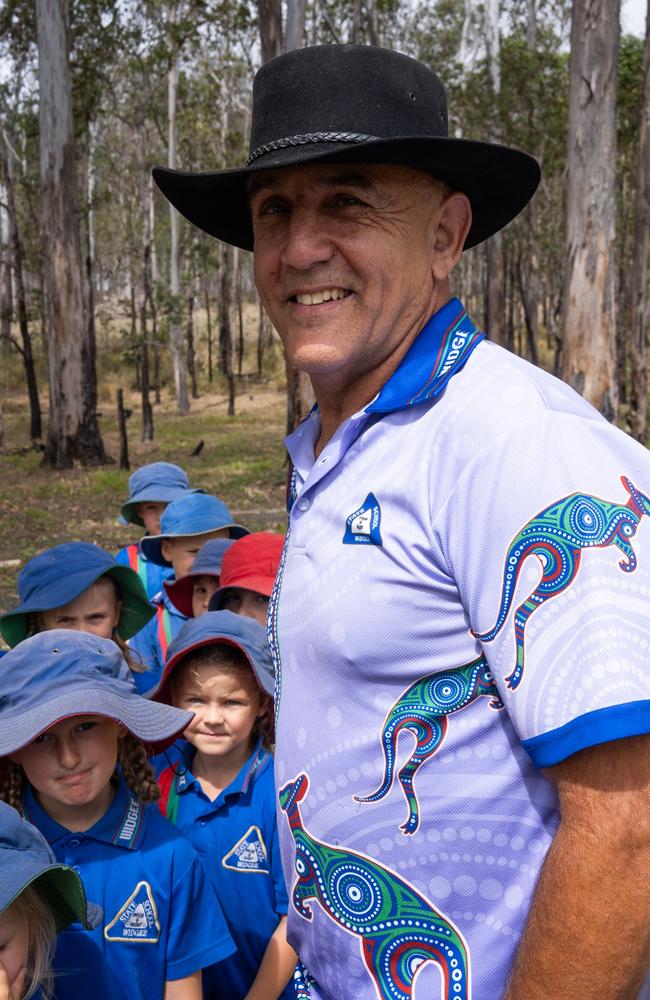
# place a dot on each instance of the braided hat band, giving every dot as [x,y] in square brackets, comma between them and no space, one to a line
[304,140]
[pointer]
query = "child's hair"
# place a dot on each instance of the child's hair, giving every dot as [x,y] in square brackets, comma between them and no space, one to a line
[230,660]
[42,938]
[134,766]
[133,662]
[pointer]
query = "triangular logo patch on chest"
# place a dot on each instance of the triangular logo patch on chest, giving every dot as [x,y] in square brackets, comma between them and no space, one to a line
[137,920]
[248,854]
[364,525]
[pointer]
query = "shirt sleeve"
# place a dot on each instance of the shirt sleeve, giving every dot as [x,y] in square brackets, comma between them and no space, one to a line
[199,935]
[547,534]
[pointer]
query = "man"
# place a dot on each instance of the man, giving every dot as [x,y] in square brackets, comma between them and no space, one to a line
[435,466]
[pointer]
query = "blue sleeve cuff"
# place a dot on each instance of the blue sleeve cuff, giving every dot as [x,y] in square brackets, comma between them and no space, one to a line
[605,724]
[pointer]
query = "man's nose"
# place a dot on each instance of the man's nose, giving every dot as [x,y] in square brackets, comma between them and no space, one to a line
[306,240]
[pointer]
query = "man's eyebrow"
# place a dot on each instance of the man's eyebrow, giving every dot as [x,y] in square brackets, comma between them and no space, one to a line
[345,179]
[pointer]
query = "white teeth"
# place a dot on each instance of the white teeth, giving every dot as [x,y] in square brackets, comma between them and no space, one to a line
[315,298]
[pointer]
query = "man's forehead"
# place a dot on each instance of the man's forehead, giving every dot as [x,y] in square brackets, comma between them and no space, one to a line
[357,175]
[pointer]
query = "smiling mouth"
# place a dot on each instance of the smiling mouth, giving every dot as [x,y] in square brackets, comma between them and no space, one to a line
[325,295]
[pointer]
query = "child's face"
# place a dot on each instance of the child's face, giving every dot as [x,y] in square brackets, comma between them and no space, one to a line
[70,766]
[226,704]
[202,590]
[182,551]
[14,949]
[96,610]
[246,602]
[150,512]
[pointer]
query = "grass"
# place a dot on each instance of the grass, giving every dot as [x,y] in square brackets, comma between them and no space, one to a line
[242,461]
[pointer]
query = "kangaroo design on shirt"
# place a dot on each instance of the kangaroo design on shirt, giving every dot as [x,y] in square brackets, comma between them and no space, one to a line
[423,710]
[558,535]
[399,929]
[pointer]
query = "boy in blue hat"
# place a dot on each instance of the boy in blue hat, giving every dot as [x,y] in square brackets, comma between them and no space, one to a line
[186,524]
[79,586]
[223,798]
[77,736]
[38,898]
[151,488]
[191,594]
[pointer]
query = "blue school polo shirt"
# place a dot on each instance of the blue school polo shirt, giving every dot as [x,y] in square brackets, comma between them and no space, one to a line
[236,838]
[152,575]
[161,918]
[463,600]
[151,642]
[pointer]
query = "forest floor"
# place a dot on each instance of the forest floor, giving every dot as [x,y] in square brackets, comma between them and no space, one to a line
[242,461]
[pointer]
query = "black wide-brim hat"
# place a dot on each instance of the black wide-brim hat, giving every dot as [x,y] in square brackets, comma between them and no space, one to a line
[353,104]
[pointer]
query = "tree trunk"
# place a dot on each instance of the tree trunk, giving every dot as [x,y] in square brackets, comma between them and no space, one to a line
[225,331]
[26,352]
[639,341]
[269,18]
[295,30]
[152,292]
[240,313]
[147,298]
[261,338]
[208,319]
[589,322]
[6,287]
[90,385]
[176,345]
[496,270]
[73,427]
[191,359]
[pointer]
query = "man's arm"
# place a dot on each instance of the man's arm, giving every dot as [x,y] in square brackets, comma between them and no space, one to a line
[588,931]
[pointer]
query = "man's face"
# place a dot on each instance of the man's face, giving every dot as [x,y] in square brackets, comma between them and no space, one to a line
[343,263]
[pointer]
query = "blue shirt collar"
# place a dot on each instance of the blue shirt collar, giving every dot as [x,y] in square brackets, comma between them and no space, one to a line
[255,764]
[441,349]
[122,824]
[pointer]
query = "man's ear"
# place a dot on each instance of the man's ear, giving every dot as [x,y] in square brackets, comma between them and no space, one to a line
[454,220]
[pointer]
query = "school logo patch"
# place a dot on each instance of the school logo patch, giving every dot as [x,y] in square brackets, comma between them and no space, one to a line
[363,526]
[137,920]
[248,854]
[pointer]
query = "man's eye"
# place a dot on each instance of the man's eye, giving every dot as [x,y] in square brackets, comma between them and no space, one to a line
[346,199]
[273,207]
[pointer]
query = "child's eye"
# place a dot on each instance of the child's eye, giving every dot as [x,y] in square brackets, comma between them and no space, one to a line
[85,727]
[43,738]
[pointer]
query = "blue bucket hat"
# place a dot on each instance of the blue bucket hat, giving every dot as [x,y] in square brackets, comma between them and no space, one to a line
[159,482]
[61,673]
[216,628]
[207,563]
[26,859]
[193,514]
[60,574]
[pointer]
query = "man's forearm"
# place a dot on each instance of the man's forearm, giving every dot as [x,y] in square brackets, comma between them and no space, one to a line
[588,932]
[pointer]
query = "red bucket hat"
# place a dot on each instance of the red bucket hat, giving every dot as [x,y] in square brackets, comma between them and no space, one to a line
[251,563]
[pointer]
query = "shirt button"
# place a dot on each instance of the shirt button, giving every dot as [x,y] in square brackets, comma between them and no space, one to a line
[202,822]
[304,503]
[74,842]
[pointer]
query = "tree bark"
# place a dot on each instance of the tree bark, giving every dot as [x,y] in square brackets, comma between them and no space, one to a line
[589,322]
[269,18]
[147,299]
[639,339]
[225,330]
[176,345]
[25,348]
[208,320]
[295,29]
[191,358]
[73,428]
[496,269]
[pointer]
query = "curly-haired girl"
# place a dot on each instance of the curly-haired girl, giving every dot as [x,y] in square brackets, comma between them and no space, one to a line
[77,734]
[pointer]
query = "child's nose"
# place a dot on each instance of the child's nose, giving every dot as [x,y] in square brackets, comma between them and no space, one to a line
[67,752]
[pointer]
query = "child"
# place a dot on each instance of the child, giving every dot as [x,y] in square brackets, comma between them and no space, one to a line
[185,526]
[78,586]
[38,898]
[220,664]
[69,713]
[151,488]
[191,594]
[248,574]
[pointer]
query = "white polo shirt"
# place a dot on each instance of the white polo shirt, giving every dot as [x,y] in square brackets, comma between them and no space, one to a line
[475,495]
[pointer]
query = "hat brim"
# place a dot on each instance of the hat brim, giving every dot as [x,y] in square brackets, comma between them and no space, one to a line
[156,725]
[151,545]
[61,889]
[180,592]
[136,610]
[498,180]
[258,584]
[162,693]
